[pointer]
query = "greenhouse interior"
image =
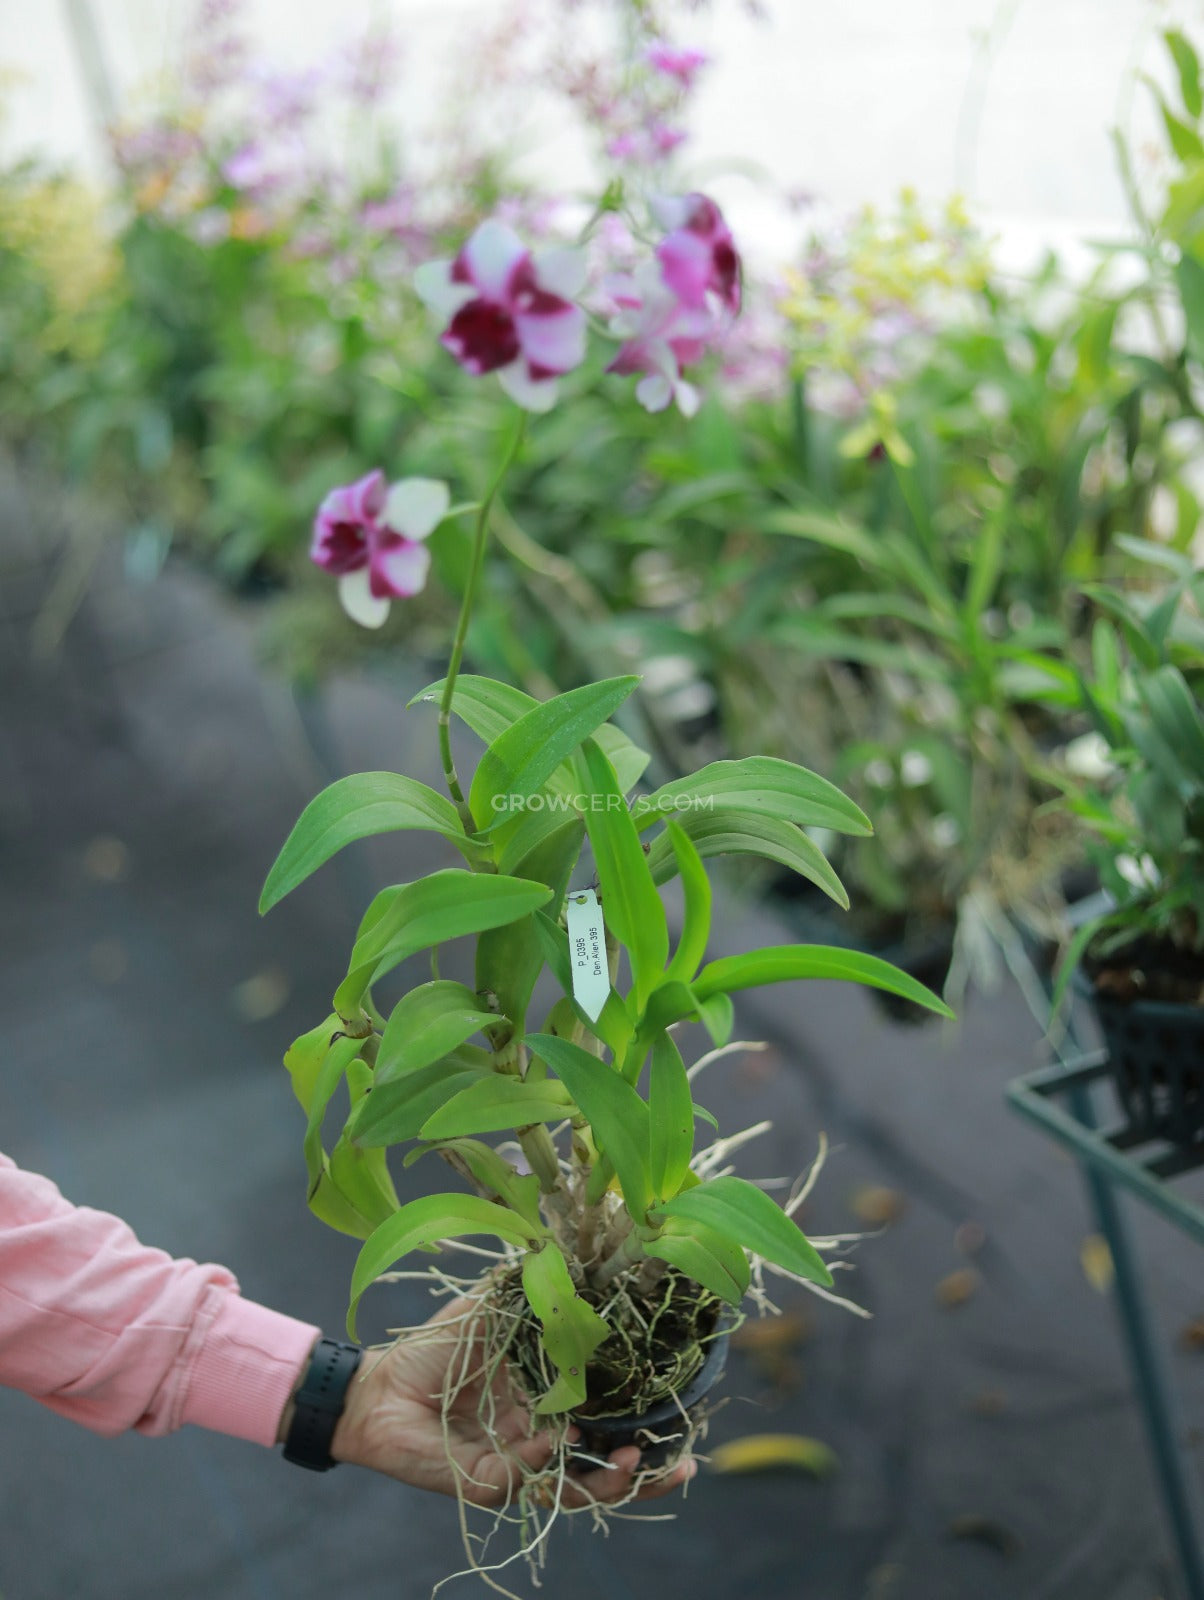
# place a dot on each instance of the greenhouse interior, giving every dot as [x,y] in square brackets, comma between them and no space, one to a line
[601,765]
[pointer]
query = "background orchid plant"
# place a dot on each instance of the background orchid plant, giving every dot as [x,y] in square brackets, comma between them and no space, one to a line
[563,1036]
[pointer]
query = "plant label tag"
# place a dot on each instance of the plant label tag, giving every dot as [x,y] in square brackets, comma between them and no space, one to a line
[587,951]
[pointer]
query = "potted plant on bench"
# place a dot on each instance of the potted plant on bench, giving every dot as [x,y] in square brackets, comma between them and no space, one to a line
[1141,961]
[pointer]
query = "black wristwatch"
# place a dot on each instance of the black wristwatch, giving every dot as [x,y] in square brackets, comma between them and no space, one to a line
[319,1404]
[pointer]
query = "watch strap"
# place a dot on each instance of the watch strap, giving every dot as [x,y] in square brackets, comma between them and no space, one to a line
[319,1404]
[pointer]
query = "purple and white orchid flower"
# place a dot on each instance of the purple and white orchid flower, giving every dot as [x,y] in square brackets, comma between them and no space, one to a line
[698,256]
[372,538]
[671,310]
[510,312]
[660,338]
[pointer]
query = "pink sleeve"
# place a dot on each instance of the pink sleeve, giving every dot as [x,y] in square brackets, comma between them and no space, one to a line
[115,1335]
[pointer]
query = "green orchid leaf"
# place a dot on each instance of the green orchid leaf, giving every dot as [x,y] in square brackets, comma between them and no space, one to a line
[832,532]
[487,706]
[572,1329]
[668,1003]
[523,833]
[1072,955]
[1187,65]
[414,916]
[670,1118]
[625,756]
[1188,147]
[510,958]
[1132,623]
[730,830]
[617,1116]
[985,567]
[1105,662]
[396,1111]
[911,659]
[745,1214]
[518,1190]
[362,1178]
[1175,714]
[425,1025]
[781,963]
[762,784]
[498,1102]
[876,605]
[704,1254]
[424,1221]
[696,887]
[355,808]
[333,1070]
[718,1016]
[522,758]
[331,1206]
[631,905]
[304,1057]
[1027,675]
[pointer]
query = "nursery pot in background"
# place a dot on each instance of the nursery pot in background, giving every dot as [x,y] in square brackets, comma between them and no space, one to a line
[1156,1053]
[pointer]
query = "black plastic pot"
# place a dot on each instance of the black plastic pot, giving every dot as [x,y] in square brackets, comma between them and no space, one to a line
[652,1430]
[1156,1053]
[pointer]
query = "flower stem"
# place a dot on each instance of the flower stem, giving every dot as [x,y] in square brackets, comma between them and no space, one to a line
[480,538]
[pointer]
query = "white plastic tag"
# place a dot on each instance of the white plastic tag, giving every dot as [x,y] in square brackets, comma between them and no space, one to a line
[587,951]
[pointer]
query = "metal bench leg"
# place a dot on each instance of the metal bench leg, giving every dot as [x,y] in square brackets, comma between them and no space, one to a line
[1149,1370]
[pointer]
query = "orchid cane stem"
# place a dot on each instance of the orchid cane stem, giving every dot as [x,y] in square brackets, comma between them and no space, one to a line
[480,538]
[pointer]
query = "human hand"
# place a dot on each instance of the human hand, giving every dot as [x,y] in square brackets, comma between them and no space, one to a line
[393,1423]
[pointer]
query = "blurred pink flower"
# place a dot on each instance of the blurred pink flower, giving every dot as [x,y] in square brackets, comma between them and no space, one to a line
[683,65]
[286,99]
[252,168]
[624,147]
[666,139]
[372,539]
[672,310]
[370,64]
[510,312]
[699,254]
[660,338]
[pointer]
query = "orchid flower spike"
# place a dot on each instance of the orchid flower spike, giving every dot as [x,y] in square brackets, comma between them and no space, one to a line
[510,312]
[372,538]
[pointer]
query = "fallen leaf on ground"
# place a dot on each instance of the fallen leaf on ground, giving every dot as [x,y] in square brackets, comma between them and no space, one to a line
[1096,1259]
[770,1344]
[985,1530]
[970,1238]
[989,1403]
[957,1288]
[883,1581]
[108,961]
[786,1332]
[765,1452]
[1192,1337]
[877,1205]
[106,859]
[262,996]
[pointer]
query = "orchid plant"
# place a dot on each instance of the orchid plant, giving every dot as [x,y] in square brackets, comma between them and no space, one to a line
[608,1220]
[1135,783]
